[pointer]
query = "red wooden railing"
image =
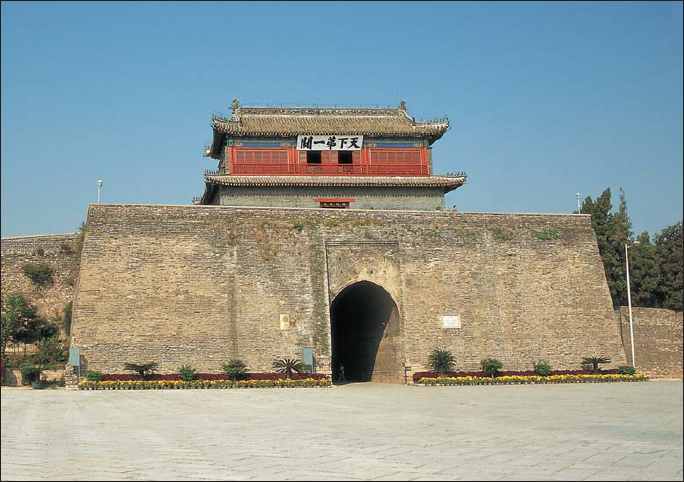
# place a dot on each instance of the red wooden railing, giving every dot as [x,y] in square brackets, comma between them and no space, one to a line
[257,169]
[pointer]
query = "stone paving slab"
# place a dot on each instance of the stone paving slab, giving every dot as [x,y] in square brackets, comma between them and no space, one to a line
[617,431]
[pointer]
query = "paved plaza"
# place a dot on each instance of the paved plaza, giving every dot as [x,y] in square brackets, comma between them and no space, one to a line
[613,431]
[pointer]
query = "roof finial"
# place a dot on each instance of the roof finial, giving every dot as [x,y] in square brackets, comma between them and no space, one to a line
[402,105]
[234,105]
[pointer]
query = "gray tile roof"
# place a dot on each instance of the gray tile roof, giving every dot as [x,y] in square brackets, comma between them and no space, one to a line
[448,182]
[294,121]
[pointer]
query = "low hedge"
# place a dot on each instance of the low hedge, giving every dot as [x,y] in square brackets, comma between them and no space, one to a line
[214,376]
[179,384]
[534,379]
[525,373]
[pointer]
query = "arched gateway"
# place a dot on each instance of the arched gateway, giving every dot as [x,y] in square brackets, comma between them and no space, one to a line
[366,337]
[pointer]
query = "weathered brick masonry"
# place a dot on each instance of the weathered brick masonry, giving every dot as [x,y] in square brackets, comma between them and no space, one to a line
[366,198]
[657,340]
[203,284]
[17,251]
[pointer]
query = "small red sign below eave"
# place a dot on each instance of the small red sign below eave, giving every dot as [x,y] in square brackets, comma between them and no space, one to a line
[334,199]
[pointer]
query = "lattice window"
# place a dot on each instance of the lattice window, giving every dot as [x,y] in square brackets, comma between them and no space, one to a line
[395,156]
[261,156]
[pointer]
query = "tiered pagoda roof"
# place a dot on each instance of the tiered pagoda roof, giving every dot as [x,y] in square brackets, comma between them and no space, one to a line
[293,121]
[394,135]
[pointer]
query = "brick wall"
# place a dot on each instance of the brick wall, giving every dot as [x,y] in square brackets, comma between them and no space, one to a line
[202,284]
[657,340]
[422,199]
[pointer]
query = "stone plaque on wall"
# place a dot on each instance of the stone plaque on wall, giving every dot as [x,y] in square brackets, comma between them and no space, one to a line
[451,321]
[285,322]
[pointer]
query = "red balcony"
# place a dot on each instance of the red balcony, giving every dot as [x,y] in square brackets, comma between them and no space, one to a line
[263,169]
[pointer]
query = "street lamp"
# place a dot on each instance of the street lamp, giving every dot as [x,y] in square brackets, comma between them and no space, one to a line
[99,188]
[579,211]
[629,302]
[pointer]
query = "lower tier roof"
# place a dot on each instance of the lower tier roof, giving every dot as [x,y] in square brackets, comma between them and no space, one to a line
[448,182]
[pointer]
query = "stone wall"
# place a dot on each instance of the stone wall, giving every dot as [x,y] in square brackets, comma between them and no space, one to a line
[17,251]
[423,199]
[657,340]
[203,284]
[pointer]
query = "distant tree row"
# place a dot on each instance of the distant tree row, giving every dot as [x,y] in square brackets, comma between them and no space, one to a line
[655,266]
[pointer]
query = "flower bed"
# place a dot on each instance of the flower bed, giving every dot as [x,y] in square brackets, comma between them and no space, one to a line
[525,373]
[533,379]
[180,385]
[215,376]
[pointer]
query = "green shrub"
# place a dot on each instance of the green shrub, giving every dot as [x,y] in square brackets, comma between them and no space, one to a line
[30,371]
[234,368]
[626,370]
[187,373]
[66,318]
[39,273]
[547,234]
[441,361]
[93,376]
[592,363]
[144,369]
[287,366]
[66,248]
[491,367]
[499,233]
[298,225]
[542,368]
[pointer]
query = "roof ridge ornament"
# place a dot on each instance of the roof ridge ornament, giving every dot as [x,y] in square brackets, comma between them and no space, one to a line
[402,105]
[235,105]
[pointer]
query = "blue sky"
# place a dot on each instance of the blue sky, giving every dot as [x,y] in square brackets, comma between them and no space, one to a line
[544,99]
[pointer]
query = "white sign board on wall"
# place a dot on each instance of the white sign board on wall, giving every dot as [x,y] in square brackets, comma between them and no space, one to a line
[329,143]
[451,321]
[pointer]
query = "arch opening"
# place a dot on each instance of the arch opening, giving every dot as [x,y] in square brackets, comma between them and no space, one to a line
[365,335]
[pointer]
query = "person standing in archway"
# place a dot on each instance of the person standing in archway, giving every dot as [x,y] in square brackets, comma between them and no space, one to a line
[341,373]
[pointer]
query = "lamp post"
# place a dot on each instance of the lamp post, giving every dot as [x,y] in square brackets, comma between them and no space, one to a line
[99,188]
[629,301]
[579,210]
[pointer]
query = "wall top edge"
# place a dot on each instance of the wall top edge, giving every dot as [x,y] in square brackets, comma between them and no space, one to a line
[9,238]
[350,211]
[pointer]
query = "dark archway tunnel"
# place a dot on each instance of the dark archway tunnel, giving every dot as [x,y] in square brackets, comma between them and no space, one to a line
[363,319]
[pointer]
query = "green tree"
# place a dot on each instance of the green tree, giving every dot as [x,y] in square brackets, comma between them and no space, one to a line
[602,225]
[644,272]
[619,234]
[20,321]
[655,268]
[35,330]
[51,352]
[613,231]
[669,249]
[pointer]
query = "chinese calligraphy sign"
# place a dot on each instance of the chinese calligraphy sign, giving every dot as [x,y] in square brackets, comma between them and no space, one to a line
[329,143]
